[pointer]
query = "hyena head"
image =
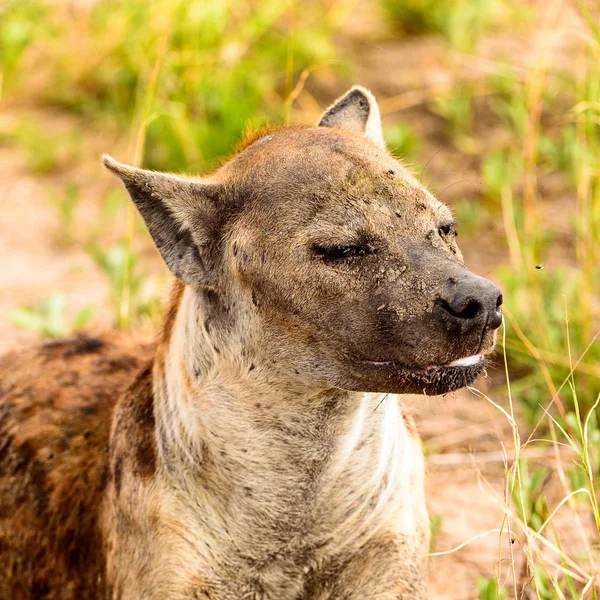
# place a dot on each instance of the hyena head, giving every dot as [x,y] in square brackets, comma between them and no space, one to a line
[328,258]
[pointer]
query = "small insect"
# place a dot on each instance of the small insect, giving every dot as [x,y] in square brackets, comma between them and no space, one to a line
[539,267]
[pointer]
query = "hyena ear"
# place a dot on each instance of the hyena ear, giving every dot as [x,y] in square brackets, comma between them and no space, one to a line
[181,215]
[356,111]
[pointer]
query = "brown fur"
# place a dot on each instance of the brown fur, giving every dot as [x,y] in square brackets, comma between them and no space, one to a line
[53,464]
[252,135]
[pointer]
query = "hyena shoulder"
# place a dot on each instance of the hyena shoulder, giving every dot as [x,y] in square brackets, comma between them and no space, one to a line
[56,404]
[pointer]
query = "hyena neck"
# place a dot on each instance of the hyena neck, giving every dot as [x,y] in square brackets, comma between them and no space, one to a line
[267,458]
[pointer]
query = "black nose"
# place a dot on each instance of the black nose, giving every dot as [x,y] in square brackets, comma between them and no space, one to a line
[470,301]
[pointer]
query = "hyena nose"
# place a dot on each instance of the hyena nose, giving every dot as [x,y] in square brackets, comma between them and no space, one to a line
[470,301]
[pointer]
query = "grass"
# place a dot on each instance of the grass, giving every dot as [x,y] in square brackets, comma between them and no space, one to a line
[46,152]
[175,84]
[48,318]
[461,22]
[97,61]
[65,203]
[488,589]
[549,569]
[127,281]
[540,290]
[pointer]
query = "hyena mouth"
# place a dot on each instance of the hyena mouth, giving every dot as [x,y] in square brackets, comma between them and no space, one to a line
[467,361]
[433,379]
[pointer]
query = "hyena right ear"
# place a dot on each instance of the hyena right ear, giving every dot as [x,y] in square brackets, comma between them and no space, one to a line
[356,111]
[181,215]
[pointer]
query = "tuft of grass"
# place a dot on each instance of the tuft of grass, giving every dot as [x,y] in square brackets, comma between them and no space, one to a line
[470,215]
[122,267]
[65,203]
[457,110]
[48,318]
[401,140]
[461,22]
[46,152]
[435,529]
[416,17]
[529,499]
[21,25]
[552,566]
[488,589]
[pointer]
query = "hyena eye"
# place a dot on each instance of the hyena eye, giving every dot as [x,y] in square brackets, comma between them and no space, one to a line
[448,230]
[341,252]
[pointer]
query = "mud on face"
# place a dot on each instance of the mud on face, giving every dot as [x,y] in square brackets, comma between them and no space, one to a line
[349,269]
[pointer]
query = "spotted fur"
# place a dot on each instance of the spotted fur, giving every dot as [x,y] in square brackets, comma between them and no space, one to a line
[56,404]
[257,452]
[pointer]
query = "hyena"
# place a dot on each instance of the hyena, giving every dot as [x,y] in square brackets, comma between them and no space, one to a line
[259,449]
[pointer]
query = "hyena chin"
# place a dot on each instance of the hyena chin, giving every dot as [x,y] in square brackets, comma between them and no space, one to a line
[257,451]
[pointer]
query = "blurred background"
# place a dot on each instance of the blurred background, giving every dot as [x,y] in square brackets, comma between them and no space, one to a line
[494,104]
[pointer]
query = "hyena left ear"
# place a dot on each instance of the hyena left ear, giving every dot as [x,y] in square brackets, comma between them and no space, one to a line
[182,217]
[356,111]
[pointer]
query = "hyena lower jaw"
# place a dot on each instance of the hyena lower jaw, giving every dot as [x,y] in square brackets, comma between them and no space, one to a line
[266,492]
